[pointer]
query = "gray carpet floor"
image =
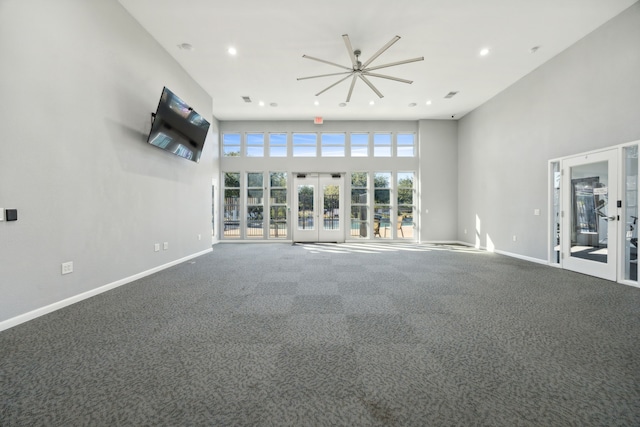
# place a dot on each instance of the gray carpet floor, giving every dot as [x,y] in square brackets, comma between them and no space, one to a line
[315,335]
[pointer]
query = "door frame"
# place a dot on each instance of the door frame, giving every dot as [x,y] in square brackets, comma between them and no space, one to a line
[608,269]
[620,232]
[319,234]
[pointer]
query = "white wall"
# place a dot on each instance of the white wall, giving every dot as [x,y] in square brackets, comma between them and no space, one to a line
[79,80]
[585,98]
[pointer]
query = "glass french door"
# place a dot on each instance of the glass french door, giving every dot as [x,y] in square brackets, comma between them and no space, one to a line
[318,208]
[590,214]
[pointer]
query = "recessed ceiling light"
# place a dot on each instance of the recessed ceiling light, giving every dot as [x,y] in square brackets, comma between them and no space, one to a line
[413,104]
[232,51]
[316,102]
[484,52]
[428,102]
[371,103]
[261,103]
[185,46]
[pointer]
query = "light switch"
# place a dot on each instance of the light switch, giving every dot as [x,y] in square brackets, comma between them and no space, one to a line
[1,214]
[11,214]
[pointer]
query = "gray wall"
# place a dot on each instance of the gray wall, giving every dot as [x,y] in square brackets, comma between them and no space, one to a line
[438,180]
[79,80]
[585,98]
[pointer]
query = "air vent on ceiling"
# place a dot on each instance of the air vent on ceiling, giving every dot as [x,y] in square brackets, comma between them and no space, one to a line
[451,94]
[246,99]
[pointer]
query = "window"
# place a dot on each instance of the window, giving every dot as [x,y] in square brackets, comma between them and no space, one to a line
[406,206]
[332,144]
[405,145]
[305,144]
[255,145]
[382,205]
[231,145]
[231,226]
[359,145]
[359,204]
[278,144]
[382,145]
[255,207]
[278,205]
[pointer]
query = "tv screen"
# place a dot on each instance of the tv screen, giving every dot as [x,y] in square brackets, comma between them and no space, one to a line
[177,128]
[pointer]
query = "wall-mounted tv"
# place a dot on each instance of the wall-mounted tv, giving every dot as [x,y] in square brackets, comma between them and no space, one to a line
[177,128]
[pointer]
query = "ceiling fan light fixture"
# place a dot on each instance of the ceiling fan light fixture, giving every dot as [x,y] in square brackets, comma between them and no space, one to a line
[361,70]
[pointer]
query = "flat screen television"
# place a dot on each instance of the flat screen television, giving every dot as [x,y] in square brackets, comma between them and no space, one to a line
[177,128]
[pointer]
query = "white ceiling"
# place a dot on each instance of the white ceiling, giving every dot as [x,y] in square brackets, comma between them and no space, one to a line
[271,38]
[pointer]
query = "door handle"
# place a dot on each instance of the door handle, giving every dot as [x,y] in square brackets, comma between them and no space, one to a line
[611,218]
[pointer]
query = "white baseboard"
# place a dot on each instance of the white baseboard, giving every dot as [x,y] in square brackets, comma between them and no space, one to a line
[523,257]
[497,251]
[22,318]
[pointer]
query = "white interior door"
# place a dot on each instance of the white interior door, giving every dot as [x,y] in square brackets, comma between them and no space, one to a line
[590,214]
[318,208]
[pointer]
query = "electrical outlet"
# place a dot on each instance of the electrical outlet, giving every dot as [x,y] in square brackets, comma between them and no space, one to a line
[156,247]
[165,246]
[536,212]
[67,267]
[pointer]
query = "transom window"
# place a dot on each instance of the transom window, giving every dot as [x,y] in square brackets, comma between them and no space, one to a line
[305,144]
[313,144]
[278,144]
[405,145]
[255,145]
[332,144]
[382,145]
[231,144]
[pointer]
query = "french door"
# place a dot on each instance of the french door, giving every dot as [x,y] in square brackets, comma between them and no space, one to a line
[318,208]
[590,214]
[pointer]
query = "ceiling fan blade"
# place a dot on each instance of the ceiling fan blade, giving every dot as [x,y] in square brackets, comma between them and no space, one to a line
[327,62]
[384,76]
[347,43]
[373,88]
[339,81]
[391,64]
[381,51]
[353,83]
[325,75]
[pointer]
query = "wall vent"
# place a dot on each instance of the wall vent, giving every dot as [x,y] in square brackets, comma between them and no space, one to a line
[246,99]
[451,94]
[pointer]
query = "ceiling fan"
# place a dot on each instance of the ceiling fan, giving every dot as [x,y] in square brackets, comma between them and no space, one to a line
[361,71]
